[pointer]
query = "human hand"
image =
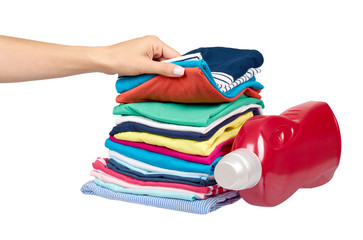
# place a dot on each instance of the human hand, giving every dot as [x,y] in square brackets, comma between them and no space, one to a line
[138,56]
[26,60]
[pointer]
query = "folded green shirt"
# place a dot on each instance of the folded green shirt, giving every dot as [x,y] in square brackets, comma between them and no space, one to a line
[199,115]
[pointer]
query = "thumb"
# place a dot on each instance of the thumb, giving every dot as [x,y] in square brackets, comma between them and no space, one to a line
[163,68]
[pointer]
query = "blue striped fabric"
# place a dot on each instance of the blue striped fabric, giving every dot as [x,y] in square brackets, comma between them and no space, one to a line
[199,206]
[226,82]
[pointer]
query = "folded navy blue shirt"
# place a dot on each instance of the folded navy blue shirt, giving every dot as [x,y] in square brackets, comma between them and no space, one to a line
[232,61]
[117,167]
[138,127]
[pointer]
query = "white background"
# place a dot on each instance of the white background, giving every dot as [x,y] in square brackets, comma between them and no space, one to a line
[51,130]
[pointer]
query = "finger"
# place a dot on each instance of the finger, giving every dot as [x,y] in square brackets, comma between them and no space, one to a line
[160,59]
[162,68]
[164,51]
[169,52]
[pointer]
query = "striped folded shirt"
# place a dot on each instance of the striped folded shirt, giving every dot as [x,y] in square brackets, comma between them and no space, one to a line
[203,206]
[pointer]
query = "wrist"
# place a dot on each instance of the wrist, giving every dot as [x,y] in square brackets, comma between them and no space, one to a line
[99,60]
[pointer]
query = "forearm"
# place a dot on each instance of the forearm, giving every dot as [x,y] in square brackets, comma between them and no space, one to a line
[24,60]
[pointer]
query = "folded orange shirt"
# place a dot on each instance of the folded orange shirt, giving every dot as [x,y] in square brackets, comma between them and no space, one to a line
[192,87]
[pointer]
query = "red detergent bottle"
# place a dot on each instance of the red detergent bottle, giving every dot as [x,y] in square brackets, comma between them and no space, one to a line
[273,156]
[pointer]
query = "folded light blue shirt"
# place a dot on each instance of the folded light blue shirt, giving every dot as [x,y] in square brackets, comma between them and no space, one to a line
[161,160]
[152,173]
[148,192]
[203,206]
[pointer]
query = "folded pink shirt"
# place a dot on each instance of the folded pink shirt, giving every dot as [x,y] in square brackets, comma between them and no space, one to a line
[221,150]
[110,179]
[210,190]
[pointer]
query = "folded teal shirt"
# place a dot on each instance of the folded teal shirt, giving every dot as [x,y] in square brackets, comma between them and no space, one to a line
[198,115]
[161,160]
[126,83]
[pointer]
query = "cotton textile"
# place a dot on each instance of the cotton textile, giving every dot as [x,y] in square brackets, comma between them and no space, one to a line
[150,169]
[136,127]
[143,121]
[199,206]
[156,193]
[171,134]
[225,82]
[197,115]
[160,160]
[221,68]
[110,179]
[203,148]
[192,87]
[157,177]
[220,150]
[125,83]
[233,63]
[100,165]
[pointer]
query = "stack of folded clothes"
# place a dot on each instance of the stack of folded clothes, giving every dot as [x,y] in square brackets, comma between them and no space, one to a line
[172,132]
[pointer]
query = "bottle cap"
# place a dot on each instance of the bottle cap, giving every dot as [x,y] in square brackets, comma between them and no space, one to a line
[238,170]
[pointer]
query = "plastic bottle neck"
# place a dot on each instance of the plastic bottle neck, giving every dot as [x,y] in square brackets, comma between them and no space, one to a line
[238,170]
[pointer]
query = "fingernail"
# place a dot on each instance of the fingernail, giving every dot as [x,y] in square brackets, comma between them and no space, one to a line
[179,71]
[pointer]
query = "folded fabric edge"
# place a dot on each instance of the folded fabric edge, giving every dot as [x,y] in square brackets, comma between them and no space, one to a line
[197,207]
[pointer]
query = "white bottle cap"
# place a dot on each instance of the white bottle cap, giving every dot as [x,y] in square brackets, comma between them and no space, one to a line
[238,170]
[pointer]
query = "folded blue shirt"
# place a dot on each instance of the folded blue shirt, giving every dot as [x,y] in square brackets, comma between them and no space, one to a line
[203,206]
[232,61]
[158,177]
[147,172]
